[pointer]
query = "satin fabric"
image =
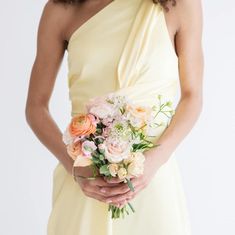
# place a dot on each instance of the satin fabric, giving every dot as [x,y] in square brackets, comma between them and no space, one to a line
[124,48]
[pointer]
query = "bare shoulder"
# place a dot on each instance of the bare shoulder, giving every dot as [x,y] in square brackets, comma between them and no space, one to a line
[55,18]
[182,12]
[189,14]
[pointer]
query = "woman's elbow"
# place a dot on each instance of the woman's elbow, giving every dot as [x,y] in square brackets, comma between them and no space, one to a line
[194,99]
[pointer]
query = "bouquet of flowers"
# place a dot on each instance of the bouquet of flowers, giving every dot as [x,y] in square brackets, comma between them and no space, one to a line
[112,136]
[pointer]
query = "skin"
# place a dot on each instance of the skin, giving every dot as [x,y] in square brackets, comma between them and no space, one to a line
[56,26]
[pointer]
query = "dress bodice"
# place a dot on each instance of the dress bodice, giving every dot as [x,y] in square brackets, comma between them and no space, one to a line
[126,48]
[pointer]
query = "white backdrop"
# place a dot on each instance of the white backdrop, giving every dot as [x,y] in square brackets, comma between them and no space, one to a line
[206,156]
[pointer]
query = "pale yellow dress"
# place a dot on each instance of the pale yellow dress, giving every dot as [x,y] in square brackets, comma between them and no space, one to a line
[126,48]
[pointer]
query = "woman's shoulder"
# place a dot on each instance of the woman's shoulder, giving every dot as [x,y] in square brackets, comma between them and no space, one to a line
[57,17]
[57,11]
[186,9]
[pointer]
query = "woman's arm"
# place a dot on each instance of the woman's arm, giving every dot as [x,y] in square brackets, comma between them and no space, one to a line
[191,63]
[50,52]
[190,55]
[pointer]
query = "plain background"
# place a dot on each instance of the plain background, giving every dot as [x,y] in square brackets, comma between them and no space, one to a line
[206,156]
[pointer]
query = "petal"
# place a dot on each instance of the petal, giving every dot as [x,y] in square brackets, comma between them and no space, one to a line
[82,161]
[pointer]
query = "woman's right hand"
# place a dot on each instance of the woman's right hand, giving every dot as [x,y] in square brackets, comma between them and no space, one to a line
[92,187]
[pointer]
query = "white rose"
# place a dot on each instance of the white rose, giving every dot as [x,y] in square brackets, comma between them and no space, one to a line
[138,115]
[139,157]
[136,167]
[129,159]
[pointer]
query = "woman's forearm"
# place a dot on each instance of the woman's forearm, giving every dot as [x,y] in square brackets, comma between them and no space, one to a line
[186,114]
[47,131]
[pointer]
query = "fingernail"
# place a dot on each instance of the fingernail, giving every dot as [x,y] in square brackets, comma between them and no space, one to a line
[108,201]
[103,190]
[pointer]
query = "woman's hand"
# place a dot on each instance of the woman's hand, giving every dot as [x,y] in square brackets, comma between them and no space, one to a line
[115,191]
[92,188]
[120,194]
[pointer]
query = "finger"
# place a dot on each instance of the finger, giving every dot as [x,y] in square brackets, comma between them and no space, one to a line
[96,196]
[94,190]
[123,203]
[137,181]
[120,204]
[101,182]
[111,191]
[119,189]
[113,180]
[126,196]
[90,187]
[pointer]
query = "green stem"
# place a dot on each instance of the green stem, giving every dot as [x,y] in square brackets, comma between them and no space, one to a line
[133,210]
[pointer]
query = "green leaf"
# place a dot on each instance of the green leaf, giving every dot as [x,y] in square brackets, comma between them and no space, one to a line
[88,148]
[101,156]
[104,170]
[95,160]
[102,151]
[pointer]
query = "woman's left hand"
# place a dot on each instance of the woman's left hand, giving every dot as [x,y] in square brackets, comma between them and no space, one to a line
[139,183]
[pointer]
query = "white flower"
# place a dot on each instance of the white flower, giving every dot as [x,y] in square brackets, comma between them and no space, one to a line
[129,159]
[136,167]
[120,129]
[118,101]
[138,115]
[139,157]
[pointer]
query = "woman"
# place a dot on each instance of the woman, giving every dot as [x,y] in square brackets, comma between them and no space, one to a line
[144,47]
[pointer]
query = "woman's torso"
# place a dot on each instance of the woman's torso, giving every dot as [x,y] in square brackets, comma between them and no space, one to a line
[125,46]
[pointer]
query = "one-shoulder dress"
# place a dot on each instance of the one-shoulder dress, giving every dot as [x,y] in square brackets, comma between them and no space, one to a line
[124,48]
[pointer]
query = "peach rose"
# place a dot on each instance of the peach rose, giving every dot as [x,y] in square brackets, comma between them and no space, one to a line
[74,150]
[138,115]
[122,173]
[113,169]
[82,124]
[83,161]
